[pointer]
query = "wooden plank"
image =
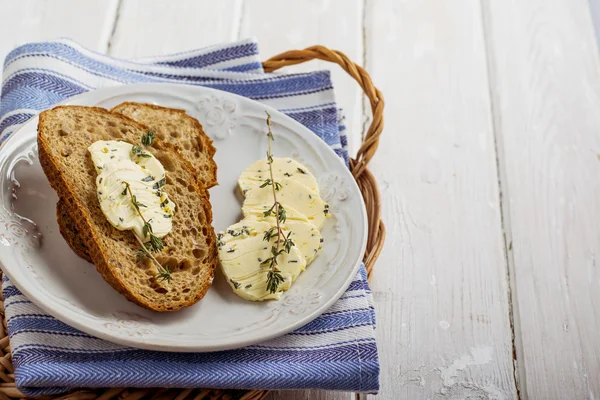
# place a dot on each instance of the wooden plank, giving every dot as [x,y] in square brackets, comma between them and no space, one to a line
[337,24]
[156,27]
[89,23]
[546,89]
[440,285]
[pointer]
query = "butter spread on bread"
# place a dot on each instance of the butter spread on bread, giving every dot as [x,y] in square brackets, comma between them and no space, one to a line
[117,164]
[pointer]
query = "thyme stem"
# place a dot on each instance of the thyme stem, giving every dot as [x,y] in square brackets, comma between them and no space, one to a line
[273,186]
[155,243]
[135,203]
[274,277]
[163,272]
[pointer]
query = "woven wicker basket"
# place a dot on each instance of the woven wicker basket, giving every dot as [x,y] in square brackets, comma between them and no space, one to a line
[366,183]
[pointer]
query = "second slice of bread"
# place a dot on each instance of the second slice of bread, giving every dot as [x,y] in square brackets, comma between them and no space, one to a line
[174,126]
[64,134]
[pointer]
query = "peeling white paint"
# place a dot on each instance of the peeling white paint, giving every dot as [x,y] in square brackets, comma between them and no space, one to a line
[479,356]
[465,390]
[419,380]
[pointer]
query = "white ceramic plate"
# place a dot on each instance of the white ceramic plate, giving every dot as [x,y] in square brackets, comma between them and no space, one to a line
[38,261]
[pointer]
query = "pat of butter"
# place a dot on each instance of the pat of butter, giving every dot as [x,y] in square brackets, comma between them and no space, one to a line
[116,165]
[283,168]
[242,248]
[304,234]
[291,194]
[242,252]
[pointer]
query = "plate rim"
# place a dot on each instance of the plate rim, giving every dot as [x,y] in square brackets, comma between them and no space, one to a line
[144,344]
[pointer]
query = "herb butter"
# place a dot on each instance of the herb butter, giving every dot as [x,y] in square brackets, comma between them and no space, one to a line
[245,247]
[243,252]
[305,235]
[283,168]
[291,194]
[118,163]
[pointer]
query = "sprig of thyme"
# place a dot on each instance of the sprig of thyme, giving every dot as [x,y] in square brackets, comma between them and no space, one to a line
[268,182]
[154,244]
[148,138]
[278,210]
[274,277]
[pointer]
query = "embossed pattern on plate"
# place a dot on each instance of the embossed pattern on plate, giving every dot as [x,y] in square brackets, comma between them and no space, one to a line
[40,264]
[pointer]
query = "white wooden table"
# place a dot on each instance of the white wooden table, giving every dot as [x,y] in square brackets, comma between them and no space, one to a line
[489,169]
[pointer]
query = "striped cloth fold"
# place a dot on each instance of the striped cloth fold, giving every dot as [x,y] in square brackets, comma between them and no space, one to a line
[336,351]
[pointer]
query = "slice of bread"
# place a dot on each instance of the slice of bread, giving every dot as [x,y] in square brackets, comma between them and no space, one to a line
[174,126]
[67,229]
[64,134]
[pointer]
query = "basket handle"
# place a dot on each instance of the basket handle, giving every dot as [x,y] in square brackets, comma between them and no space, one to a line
[358,165]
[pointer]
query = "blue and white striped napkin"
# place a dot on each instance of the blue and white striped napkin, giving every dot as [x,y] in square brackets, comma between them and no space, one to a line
[336,351]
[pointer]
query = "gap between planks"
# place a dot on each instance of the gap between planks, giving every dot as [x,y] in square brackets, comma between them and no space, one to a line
[115,21]
[505,223]
[238,15]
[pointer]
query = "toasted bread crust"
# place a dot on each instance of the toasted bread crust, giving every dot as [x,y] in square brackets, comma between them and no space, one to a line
[90,228]
[200,155]
[67,229]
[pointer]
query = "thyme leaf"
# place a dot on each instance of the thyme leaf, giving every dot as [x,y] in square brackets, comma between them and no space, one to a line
[148,138]
[139,152]
[274,279]
[160,183]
